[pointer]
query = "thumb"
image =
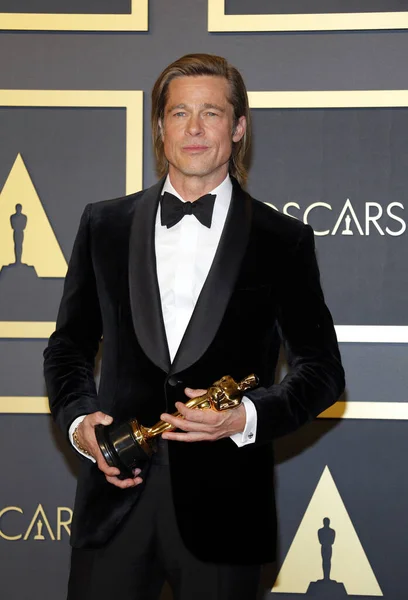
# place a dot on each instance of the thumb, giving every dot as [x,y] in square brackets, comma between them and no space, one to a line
[102,419]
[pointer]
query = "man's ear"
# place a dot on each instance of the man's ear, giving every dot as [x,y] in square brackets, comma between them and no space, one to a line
[239,129]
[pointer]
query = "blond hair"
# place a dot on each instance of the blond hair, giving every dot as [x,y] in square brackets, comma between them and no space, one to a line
[193,65]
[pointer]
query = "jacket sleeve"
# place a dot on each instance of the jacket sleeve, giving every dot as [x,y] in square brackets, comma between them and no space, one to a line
[316,376]
[69,358]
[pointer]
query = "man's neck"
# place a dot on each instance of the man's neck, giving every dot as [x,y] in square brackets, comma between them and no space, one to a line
[192,187]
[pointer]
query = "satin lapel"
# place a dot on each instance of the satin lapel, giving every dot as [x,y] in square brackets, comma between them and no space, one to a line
[143,285]
[218,287]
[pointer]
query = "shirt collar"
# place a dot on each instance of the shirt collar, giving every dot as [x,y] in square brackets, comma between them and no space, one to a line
[222,191]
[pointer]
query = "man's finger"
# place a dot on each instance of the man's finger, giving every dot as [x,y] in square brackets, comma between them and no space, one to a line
[194,393]
[191,436]
[205,416]
[195,426]
[181,423]
[199,415]
[98,418]
[124,483]
[105,468]
[176,422]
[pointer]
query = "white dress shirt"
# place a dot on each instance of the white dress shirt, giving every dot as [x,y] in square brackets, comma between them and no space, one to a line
[184,255]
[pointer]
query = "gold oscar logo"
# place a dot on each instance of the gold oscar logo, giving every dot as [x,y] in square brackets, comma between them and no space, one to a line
[326,558]
[27,240]
[38,528]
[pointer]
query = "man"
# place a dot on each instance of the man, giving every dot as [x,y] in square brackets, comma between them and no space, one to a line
[182,296]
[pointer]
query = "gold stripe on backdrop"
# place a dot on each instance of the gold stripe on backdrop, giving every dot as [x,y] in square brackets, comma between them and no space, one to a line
[329,99]
[136,20]
[346,334]
[219,21]
[397,411]
[24,405]
[40,330]
[367,410]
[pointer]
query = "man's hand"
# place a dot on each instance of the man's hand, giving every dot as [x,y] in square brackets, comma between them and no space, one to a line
[203,425]
[87,439]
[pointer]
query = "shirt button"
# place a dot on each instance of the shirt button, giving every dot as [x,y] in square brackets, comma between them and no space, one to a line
[250,435]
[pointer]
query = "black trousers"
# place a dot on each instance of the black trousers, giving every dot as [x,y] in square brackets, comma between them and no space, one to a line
[147,551]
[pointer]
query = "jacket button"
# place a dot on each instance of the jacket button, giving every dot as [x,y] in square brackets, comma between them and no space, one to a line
[173,381]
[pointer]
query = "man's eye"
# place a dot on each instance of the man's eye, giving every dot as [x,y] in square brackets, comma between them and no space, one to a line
[179,114]
[212,114]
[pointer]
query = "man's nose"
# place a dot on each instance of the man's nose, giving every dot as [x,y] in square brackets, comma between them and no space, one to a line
[194,125]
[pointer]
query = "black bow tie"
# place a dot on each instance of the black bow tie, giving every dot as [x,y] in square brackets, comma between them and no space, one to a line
[173,209]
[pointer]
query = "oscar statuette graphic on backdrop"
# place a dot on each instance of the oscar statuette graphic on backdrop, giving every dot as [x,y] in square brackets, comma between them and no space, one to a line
[326,558]
[31,260]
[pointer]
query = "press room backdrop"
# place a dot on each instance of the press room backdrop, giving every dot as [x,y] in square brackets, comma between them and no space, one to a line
[328,89]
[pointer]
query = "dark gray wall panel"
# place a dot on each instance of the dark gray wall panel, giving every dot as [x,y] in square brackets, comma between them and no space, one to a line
[243,7]
[63,6]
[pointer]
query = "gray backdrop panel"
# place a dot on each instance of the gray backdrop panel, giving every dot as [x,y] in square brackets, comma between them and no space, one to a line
[239,7]
[62,6]
[330,156]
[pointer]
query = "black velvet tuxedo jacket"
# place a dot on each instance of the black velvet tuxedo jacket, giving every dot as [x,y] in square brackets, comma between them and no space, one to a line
[263,286]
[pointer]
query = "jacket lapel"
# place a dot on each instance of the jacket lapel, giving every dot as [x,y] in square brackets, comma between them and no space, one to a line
[219,285]
[143,285]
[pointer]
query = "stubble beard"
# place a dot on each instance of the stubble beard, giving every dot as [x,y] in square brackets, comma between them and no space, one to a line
[203,169]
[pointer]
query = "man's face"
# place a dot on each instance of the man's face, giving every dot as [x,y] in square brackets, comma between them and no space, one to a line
[198,129]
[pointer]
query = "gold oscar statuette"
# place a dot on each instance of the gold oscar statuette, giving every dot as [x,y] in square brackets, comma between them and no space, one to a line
[130,445]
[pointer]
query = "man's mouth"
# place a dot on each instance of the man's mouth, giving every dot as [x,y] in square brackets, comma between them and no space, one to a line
[195,148]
